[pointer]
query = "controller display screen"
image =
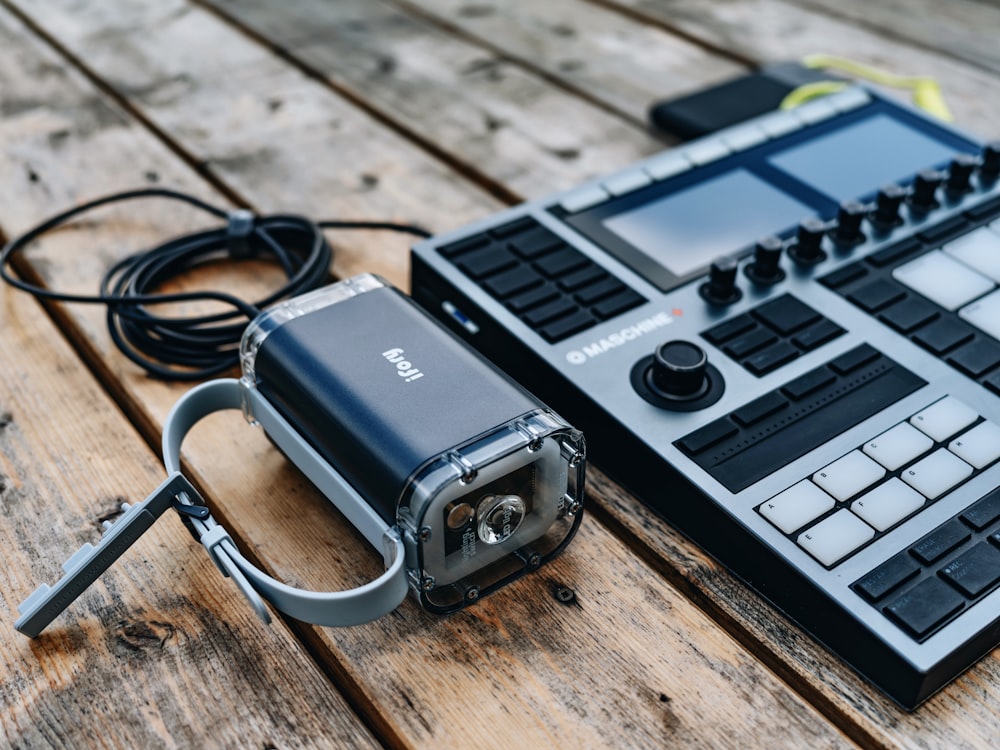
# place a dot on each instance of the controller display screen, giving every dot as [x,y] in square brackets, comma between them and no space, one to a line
[859,159]
[684,231]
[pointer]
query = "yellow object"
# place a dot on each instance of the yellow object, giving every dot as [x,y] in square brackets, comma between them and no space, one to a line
[926,91]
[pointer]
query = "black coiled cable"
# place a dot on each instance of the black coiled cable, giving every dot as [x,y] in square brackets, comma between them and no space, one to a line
[196,347]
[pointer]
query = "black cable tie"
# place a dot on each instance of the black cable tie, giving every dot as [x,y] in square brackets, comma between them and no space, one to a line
[238,230]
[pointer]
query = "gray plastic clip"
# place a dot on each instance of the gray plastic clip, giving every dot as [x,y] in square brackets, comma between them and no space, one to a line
[88,562]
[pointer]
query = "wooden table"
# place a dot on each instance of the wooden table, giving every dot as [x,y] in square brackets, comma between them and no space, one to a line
[436,112]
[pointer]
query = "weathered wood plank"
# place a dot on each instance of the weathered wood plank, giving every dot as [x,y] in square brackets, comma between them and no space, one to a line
[490,114]
[599,54]
[963,29]
[769,30]
[611,670]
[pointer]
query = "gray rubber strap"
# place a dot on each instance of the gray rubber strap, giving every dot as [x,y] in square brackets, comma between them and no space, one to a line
[338,608]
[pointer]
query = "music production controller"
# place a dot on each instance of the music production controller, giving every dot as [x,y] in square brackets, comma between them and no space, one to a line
[785,338]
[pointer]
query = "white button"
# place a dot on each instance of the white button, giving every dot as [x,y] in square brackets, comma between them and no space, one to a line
[740,139]
[704,152]
[984,313]
[583,198]
[779,124]
[666,165]
[887,504]
[979,250]
[944,418]
[836,536]
[850,98]
[626,182]
[848,475]
[796,506]
[898,446]
[936,474]
[815,111]
[980,446]
[942,279]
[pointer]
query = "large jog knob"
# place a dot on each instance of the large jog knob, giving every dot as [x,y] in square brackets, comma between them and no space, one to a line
[677,377]
[680,369]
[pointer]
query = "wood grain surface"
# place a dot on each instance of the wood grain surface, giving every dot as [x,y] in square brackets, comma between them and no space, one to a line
[436,112]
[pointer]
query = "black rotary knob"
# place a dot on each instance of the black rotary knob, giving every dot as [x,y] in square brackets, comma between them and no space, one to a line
[960,171]
[849,218]
[925,185]
[764,268]
[989,168]
[808,247]
[679,370]
[887,204]
[721,288]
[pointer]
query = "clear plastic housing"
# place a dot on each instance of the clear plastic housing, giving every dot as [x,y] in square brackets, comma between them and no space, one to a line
[452,561]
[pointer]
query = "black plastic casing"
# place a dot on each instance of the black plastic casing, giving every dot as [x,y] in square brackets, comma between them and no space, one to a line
[379,389]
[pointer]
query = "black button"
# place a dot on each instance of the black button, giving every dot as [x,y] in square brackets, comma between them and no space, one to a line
[759,408]
[974,571]
[942,231]
[514,227]
[771,358]
[984,211]
[567,326]
[942,335]
[817,334]
[560,262]
[888,255]
[940,542]
[534,243]
[599,290]
[925,606]
[876,295]
[732,327]
[993,382]
[508,283]
[983,512]
[976,358]
[707,436]
[812,381]
[843,276]
[748,343]
[624,300]
[894,572]
[537,296]
[579,279]
[549,311]
[481,263]
[464,246]
[786,314]
[908,315]
[853,359]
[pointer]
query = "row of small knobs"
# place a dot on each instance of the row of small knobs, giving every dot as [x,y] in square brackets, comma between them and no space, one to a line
[807,250]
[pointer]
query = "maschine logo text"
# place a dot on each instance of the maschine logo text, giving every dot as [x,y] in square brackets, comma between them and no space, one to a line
[618,338]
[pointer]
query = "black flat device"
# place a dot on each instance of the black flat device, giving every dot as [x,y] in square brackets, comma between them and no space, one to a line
[785,338]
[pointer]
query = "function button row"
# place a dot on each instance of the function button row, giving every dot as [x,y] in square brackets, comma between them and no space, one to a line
[925,586]
[872,489]
[551,286]
[772,334]
[755,440]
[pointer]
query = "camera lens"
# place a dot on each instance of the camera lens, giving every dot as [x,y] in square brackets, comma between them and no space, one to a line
[499,517]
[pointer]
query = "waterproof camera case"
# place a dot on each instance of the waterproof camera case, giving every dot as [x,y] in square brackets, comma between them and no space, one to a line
[482,481]
[462,479]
